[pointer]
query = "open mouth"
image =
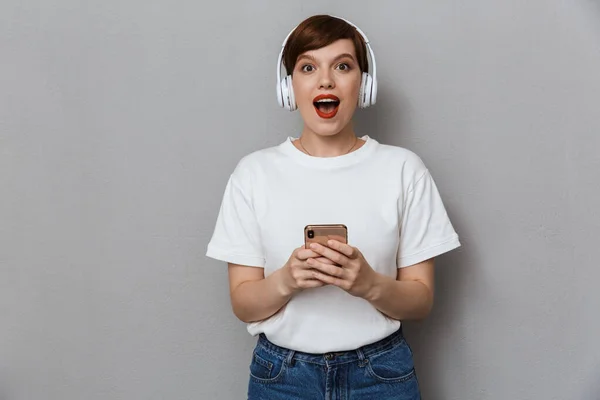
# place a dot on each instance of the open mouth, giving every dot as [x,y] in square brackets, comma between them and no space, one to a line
[326,105]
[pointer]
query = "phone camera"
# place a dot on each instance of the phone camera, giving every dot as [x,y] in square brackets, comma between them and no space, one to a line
[311,234]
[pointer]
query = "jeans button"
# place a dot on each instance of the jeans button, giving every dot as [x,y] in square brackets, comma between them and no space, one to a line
[329,356]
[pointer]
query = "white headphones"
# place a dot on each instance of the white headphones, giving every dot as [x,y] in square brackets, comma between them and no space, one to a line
[368,86]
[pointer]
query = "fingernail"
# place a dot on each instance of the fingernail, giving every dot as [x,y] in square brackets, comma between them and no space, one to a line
[313,245]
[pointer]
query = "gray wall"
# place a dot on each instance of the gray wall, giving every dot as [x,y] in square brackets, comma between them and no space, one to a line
[121,120]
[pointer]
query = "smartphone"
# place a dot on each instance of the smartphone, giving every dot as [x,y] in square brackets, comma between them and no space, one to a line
[322,233]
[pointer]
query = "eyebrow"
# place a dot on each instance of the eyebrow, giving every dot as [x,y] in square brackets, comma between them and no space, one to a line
[339,57]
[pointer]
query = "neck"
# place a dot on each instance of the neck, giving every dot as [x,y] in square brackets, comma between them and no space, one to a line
[328,146]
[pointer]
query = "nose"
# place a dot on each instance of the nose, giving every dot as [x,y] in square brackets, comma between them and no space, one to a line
[326,81]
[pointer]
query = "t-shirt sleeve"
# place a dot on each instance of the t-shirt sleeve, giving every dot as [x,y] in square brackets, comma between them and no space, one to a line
[425,229]
[236,238]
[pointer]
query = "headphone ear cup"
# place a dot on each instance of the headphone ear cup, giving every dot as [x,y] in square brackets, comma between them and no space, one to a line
[287,92]
[363,92]
[280,94]
[373,90]
[368,91]
[284,94]
[293,105]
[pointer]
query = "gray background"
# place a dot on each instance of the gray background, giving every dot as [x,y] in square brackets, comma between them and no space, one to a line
[121,120]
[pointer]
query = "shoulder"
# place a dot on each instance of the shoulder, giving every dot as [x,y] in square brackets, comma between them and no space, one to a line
[253,164]
[402,161]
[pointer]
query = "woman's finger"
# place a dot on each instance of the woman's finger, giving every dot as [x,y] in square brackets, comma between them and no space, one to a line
[329,269]
[325,260]
[304,254]
[329,253]
[304,275]
[330,280]
[343,248]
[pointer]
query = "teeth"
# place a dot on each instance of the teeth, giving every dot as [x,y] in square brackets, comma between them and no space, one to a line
[326,101]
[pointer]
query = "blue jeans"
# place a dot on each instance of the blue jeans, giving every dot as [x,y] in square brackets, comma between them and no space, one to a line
[379,371]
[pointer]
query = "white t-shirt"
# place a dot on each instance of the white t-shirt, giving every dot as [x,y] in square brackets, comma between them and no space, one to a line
[384,195]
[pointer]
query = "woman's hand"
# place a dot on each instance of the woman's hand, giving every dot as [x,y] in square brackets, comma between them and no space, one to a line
[297,274]
[352,272]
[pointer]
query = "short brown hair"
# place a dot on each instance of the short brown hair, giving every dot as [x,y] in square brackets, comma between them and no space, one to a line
[320,31]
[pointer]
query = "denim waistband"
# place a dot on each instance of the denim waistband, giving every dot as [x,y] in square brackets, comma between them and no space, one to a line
[339,357]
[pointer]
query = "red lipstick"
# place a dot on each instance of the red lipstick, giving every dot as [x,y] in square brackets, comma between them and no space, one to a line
[326,105]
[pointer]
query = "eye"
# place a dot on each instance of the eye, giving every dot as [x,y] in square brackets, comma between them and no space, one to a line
[343,67]
[307,68]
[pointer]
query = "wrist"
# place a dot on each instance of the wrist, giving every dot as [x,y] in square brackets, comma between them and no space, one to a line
[283,282]
[374,292]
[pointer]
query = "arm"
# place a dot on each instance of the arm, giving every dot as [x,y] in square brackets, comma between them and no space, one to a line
[409,296]
[254,297]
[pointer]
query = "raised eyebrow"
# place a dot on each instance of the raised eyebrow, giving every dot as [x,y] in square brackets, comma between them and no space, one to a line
[300,57]
[337,58]
[344,55]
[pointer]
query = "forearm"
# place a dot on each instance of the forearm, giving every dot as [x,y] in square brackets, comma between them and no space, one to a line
[257,300]
[401,300]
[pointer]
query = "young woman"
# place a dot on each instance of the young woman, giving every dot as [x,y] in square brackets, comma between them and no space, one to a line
[328,317]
